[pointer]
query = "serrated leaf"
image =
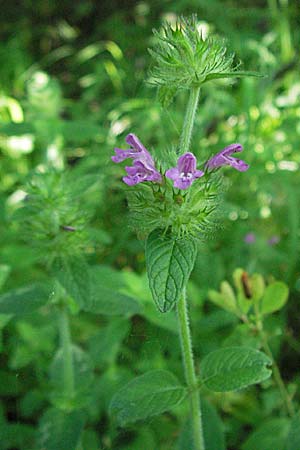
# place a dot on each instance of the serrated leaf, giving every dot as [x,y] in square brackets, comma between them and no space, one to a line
[269,436]
[74,276]
[145,396]
[59,430]
[169,265]
[233,368]
[24,300]
[275,297]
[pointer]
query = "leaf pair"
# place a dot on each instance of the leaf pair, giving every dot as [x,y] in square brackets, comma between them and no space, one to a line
[157,391]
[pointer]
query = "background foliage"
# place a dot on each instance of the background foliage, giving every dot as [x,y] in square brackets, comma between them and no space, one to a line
[72,86]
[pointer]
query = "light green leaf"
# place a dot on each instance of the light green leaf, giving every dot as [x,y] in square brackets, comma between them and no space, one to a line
[293,438]
[145,396]
[257,286]
[75,278]
[169,265]
[59,430]
[232,368]
[24,300]
[269,436]
[243,302]
[275,297]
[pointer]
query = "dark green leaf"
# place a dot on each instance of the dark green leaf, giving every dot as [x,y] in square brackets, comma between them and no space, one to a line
[75,278]
[293,438]
[145,396]
[169,265]
[24,300]
[108,301]
[269,436]
[59,430]
[232,368]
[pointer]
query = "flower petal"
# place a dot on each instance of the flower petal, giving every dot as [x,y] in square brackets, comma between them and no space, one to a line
[173,173]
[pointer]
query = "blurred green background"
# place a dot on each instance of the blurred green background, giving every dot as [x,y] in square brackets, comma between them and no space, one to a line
[72,86]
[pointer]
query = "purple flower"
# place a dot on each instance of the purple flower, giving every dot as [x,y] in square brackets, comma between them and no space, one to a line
[143,168]
[140,172]
[185,173]
[136,151]
[250,238]
[224,158]
[274,240]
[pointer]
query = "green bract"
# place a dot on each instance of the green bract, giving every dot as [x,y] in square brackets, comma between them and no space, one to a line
[183,58]
[183,213]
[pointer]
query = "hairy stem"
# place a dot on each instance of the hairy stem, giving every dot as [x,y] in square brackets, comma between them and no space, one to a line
[189,368]
[186,134]
[66,345]
[276,372]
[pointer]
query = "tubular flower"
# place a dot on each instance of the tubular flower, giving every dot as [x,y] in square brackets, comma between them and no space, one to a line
[185,173]
[224,158]
[140,172]
[143,168]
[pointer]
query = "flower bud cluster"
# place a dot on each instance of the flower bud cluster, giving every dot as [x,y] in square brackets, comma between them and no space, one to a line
[184,59]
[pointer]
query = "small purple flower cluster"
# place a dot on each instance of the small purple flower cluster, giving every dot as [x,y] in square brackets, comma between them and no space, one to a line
[183,175]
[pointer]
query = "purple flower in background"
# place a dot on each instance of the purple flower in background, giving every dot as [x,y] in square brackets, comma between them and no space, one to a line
[143,168]
[273,240]
[250,238]
[185,173]
[224,158]
[140,172]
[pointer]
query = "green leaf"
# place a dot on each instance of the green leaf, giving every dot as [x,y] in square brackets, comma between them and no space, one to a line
[269,436]
[275,297]
[108,301]
[232,368]
[234,74]
[169,265]
[145,396]
[24,300]
[59,430]
[104,346]
[293,438]
[74,276]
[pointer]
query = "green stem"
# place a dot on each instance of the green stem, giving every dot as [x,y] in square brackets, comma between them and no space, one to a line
[189,368]
[186,134]
[276,372]
[66,345]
